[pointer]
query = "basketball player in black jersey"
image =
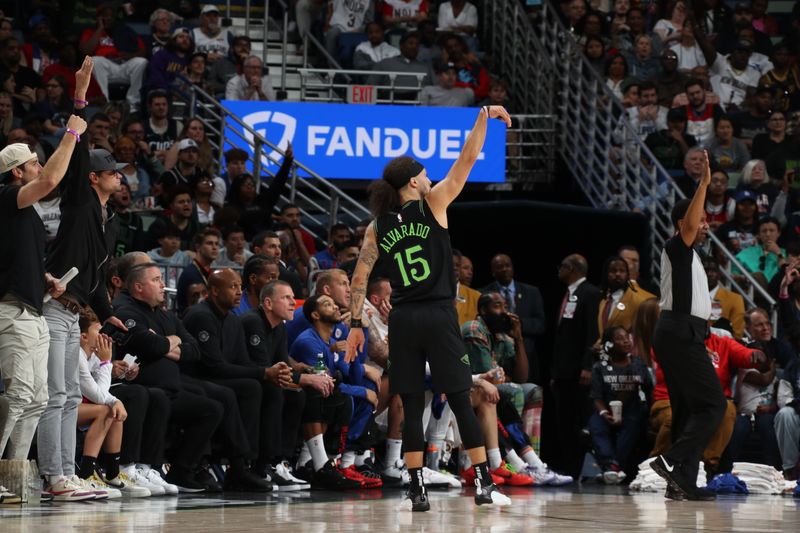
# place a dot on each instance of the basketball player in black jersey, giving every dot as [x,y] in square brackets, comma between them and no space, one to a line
[409,233]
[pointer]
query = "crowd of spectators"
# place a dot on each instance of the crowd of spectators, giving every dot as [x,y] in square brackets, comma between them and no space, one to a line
[719,76]
[207,290]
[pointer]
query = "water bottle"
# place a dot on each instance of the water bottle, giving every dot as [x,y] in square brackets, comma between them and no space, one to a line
[320,367]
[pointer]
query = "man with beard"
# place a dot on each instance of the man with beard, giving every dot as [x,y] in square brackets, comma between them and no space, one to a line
[38,53]
[182,216]
[620,298]
[227,67]
[210,38]
[732,77]
[701,117]
[525,301]
[170,61]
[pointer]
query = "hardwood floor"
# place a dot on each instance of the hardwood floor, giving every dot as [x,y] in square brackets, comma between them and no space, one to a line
[595,509]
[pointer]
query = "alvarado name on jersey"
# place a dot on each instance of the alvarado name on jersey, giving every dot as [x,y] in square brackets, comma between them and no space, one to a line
[395,235]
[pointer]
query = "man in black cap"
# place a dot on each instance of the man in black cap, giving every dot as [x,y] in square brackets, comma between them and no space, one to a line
[84,239]
[445,93]
[732,77]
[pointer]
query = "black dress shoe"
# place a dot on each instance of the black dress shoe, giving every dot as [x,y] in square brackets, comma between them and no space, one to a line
[246,481]
[209,482]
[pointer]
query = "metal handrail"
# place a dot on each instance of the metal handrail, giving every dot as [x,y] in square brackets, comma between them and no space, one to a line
[610,162]
[324,79]
[313,190]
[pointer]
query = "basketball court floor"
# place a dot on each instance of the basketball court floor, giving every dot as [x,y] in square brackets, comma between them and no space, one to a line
[592,508]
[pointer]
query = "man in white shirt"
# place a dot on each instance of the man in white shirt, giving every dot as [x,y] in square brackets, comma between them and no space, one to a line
[648,117]
[211,38]
[252,84]
[346,17]
[374,49]
[732,77]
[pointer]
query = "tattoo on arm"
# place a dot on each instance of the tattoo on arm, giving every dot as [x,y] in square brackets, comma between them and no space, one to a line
[357,296]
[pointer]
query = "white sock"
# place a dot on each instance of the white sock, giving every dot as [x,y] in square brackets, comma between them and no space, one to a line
[514,460]
[305,456]
[52,480]
[394,447]
[317,448]
[361,457]
[464,460]
[495,459]
[530,457]
[348,459]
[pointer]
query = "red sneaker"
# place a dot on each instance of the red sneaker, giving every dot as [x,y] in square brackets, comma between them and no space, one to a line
[366,482]
[511,478]
[468,476]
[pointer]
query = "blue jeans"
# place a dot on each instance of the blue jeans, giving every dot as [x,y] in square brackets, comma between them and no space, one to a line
[765,427]
[614,444]
[56,435]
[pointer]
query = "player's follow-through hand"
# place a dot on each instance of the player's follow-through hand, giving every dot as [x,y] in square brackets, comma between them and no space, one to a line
[499,112]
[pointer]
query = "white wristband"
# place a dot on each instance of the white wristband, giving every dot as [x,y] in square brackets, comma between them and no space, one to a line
[604,412]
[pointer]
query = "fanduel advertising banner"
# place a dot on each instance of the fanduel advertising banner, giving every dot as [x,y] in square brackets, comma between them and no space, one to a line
[356,141]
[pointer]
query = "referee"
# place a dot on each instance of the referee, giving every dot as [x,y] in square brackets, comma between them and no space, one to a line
[696,397]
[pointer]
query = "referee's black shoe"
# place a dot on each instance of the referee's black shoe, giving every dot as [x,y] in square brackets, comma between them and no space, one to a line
[329,477]
[673,475]
[701,495]
[416,500]
[674,494]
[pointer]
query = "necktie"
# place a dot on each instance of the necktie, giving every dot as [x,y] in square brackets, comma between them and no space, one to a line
[563,306]
[606,312]
[509,300]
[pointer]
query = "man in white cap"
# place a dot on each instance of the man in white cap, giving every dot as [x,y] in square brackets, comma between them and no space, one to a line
[211,38]
[24,336]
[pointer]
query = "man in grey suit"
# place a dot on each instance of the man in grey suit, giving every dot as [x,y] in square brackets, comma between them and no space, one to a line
[525,301]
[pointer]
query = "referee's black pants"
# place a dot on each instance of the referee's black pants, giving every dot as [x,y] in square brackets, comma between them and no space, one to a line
[695,394]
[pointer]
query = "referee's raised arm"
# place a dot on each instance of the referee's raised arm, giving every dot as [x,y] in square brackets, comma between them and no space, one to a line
[690,224]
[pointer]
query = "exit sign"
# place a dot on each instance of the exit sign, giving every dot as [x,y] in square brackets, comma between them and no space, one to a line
[361,94]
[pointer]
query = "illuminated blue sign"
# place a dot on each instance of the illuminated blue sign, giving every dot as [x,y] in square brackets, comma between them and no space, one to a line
[352,141]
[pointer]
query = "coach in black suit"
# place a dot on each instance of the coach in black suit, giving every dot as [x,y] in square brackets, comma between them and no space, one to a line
[523,300]
[576,332]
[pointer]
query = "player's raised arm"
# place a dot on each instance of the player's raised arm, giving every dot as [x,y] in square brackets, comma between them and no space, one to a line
[444,192]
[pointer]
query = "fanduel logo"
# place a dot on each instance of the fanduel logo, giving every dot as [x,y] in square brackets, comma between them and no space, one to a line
[386,142]
[258,120]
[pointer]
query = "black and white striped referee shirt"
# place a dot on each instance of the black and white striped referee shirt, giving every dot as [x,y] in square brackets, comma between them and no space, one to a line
[684,285]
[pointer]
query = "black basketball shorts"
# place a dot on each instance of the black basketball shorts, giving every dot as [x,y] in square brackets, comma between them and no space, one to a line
[426,332]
